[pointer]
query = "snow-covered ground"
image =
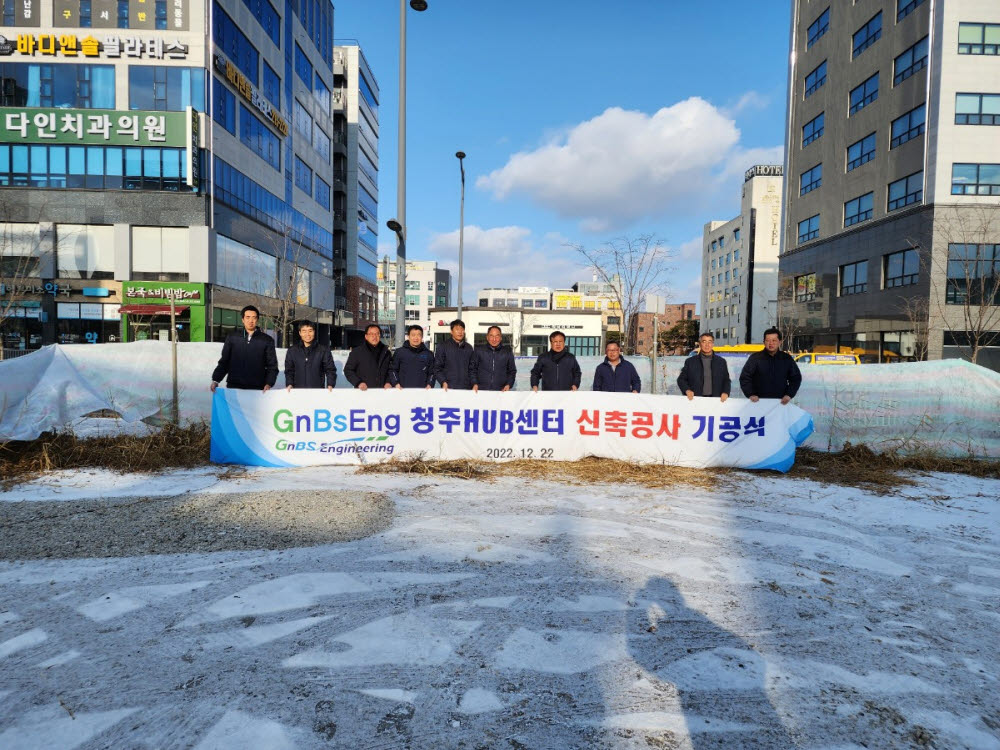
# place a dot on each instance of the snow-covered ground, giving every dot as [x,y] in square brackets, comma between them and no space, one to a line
[773,612]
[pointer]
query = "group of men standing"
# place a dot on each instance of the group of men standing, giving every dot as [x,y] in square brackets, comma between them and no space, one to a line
[249,361]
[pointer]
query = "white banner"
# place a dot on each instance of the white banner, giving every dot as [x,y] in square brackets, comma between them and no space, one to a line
[308,427]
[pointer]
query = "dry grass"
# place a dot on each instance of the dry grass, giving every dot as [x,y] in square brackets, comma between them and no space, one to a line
[167,448]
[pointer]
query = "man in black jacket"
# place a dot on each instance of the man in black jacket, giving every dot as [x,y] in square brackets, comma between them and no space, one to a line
[308,364]
[452,367]
[493,366]
[412,364]
[248,358]
[705,373]
[556,369]
[367,365]
[616,374]
[771,373]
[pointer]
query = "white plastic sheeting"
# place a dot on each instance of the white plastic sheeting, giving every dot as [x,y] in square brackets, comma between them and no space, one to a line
[951,406]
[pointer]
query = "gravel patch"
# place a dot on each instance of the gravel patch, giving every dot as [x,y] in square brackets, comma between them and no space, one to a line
[273,519]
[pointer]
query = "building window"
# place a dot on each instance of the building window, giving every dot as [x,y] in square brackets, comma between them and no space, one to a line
[541,304]
[713,264]
[809,229]
[858,209]
[58,86]
[736,238]
[321,142]
[303,68]
[973,274]
[979,38]
[977,109]
[722,242]
[805,287]
[267,17]
[910,61]
[302,120]
[901,269]
[259,138]
[812,129]
[816,79]
[303,176]
[854,278]
[975,179]
[729,257]
[908,126]
[272,85]
[861,152]
[322,94]
[85,252]
[811,179]
[736,256]
[162,88]
[818,28]
[93,167]
[224,103]
[908,190]
[715,245]
[867,35]
[906,7]
[235,45]
[864,95]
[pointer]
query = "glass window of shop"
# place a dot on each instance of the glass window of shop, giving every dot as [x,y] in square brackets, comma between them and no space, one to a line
[21,328]
[163,88]
[61,85]
[19,250]
[93,167]
[87,323]
[156,256]
[85,251]
[247,269]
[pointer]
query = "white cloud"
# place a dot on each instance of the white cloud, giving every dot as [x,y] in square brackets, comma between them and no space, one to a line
[624,165]
[507,257]
[749,101]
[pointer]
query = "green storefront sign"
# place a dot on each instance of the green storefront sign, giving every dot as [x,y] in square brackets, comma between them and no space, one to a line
[95,127]
[147,296]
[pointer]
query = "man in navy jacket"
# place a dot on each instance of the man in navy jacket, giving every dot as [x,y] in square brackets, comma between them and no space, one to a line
[771,373]
[616,374]
[705,373]
[556,369]
[412,364]
[248,359]
[493,367]
[453,360]
[308,364]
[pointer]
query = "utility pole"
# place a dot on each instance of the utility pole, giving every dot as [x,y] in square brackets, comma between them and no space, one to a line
[656,347]
[175,401]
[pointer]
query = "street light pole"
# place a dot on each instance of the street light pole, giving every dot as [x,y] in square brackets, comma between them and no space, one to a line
[417,5]
[461,230]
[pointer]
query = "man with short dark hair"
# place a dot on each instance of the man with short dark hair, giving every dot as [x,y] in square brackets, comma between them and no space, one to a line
[367,365]
[412,364]
[616,374]
[705,373]
[248,360]
[770,373]
[453,360]
[556,369]
[493,367]
[309,364]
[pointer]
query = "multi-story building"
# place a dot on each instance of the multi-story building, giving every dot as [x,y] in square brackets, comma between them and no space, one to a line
[892,164]
[641,327]
[118,191]
[739,264]
[527,297]
[427,287]
[355,181]
[526,332]
[594,295]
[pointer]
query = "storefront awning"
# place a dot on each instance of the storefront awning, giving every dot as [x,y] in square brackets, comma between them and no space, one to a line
[151,309]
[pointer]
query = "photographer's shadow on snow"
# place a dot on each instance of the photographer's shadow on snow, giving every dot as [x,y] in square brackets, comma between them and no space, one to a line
[717,678]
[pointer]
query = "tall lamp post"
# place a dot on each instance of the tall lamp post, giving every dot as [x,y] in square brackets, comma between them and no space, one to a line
[461,230]
[400,221]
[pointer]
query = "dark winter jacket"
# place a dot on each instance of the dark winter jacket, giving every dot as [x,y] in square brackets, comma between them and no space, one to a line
[493,368]
[412,368]
[620,379]
[767,376]
[247,364]
[368,364]
[556,372]
[310,366]
[453,364]
[692,377]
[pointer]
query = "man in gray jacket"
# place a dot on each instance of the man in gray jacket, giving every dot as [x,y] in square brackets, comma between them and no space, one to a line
[705,373]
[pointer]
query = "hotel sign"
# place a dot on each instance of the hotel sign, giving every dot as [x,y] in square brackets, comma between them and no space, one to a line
[249,92]
[111,47]
[102,127]
[763,170]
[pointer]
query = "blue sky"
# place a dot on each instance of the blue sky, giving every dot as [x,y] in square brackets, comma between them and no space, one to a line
[582,121]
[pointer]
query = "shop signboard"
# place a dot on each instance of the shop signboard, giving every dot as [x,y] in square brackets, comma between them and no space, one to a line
[161,292]
[94,127]
[112,46]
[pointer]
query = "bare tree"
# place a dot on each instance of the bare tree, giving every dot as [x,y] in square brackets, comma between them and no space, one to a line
[632,266]
[969,304]
[916,309]
[790,317]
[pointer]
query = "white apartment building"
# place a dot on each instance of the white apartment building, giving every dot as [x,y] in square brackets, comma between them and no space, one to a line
[526,297]
[739,266]
[525,331]
[427,286]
